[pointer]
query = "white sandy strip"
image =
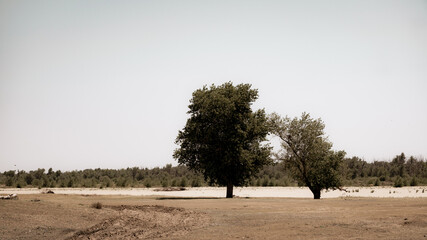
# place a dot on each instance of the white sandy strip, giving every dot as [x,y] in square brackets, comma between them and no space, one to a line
[281,192]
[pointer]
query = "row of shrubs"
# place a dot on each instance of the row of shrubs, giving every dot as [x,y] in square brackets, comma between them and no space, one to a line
[187,181]
[197,182]
[355,172]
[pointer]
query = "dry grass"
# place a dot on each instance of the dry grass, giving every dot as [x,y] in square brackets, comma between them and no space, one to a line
[124,217]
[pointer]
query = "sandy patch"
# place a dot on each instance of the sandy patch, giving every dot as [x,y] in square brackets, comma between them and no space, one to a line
[280,192]
[144,222]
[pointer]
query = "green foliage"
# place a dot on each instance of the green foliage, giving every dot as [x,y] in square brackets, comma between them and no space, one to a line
[265,182]
[398,182]
[29,179]
[358,172]
[165,183]
[20,184]
[366,174]
[9,182]
[70,183]
[174,182]
[105,181]
[122,182]
[183,182]
[195,182]
[307,152]
[414,181]
[222,138]
[147,183]
[377,182]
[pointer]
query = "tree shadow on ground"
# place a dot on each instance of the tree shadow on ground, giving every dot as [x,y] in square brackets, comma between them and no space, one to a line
[187,198]
[198,198]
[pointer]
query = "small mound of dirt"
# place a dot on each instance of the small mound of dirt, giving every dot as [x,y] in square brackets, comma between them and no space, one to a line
[145,222]
[48,191]
[10,197]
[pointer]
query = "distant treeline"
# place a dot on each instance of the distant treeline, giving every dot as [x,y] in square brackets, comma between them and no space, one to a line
[401,171]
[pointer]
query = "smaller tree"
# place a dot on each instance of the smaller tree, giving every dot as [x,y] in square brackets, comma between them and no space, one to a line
[307,152]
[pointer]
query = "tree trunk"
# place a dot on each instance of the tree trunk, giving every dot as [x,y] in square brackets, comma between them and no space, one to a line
[316,193]
[229,190]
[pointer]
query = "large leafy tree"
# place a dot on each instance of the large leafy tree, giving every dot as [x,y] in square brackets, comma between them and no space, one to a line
[223,137]
[307,152]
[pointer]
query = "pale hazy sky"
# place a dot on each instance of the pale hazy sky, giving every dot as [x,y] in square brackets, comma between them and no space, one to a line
[88,84]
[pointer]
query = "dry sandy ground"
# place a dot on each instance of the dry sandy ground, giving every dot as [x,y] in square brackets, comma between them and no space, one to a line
[58,216]
[281,192]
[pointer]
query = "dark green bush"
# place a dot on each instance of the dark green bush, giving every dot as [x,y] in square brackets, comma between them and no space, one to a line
[147,183]
[414,181]
[398,182]
[183,182]
[377,182]
[195,182]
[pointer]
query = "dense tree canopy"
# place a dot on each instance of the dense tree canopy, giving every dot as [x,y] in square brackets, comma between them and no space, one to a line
[167,177]
[354,172]
[307,152]
[223,137]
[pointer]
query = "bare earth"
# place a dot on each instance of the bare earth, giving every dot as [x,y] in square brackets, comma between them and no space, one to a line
[257,192]
[60,216]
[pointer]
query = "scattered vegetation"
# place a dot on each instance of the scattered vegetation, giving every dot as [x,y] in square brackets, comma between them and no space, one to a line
[354,172]
[399,172]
